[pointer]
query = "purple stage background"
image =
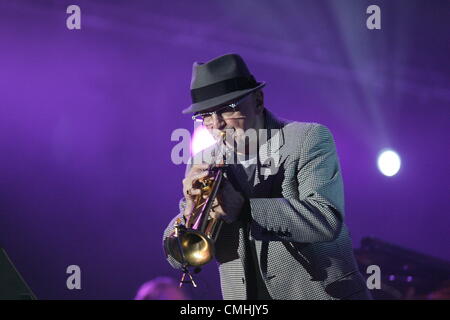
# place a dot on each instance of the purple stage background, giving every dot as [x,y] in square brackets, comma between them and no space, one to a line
[86,117]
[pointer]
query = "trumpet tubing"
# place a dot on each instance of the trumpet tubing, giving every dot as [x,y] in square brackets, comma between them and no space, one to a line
[192,245]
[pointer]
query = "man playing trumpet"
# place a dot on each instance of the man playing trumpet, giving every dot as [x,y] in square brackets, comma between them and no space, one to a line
[282,203]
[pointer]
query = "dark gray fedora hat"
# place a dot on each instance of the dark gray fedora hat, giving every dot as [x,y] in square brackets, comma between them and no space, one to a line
[220,80]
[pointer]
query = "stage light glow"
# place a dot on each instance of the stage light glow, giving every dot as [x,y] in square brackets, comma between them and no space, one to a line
[389,162]
[201,140]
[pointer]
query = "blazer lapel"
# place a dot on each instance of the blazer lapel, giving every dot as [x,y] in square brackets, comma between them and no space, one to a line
[270,157]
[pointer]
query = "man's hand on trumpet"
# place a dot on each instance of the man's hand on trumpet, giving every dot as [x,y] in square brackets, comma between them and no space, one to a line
[191,188]
[228,203]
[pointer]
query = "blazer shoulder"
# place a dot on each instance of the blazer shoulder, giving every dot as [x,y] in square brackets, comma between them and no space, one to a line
[301,131]
[301,137]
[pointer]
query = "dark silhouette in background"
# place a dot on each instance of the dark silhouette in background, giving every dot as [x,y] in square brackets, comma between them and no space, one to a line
[161,288]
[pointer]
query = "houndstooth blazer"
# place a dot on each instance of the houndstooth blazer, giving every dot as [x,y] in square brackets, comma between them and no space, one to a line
[297,221]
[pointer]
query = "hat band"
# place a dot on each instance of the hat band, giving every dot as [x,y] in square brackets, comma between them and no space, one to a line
[222,87]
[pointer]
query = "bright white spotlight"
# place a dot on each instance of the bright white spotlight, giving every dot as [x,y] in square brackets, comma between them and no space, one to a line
[201,139]
[389,162]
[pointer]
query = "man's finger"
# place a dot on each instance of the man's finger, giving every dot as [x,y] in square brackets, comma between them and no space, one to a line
[200,167]
[197,177]
[192,192]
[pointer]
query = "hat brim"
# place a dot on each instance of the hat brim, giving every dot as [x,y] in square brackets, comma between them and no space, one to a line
[217,101]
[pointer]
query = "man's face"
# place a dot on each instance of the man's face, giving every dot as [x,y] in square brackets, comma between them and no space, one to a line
[247,115]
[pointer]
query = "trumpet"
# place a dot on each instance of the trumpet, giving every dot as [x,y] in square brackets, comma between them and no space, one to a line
[193,244]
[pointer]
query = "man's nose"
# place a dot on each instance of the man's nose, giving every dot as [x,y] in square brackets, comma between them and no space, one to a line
[217,122]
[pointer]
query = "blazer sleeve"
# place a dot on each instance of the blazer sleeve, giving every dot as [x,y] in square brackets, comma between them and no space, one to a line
[171,226]
[315,211]
[170,229]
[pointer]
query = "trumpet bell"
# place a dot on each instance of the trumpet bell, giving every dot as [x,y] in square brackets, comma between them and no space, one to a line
[191,247]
